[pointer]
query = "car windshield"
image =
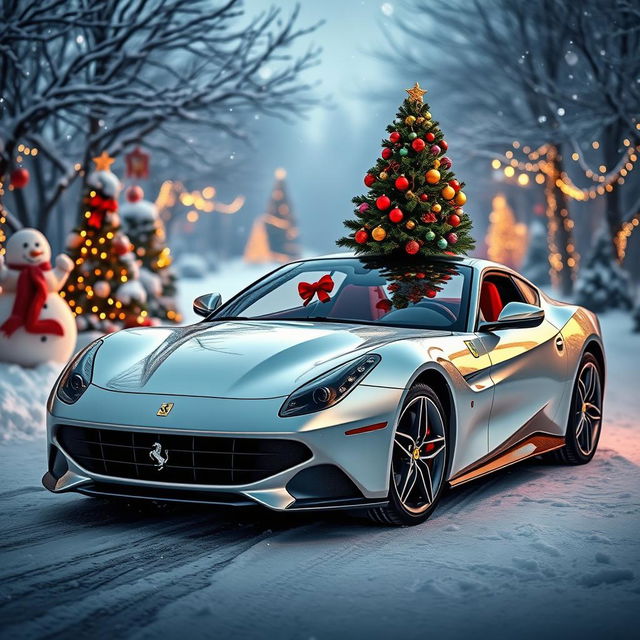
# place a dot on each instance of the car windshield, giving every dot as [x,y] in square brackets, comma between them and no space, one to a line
[427,294]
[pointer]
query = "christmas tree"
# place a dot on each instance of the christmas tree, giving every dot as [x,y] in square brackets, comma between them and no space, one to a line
[274,234]
[104,290]
[536,263]
[144,228]
[602,284]
[414,203]
[506,238]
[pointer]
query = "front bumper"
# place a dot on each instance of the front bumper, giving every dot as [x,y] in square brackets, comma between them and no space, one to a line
[342,471]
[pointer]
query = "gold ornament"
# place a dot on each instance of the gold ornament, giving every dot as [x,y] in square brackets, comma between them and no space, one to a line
[448,192]
[103,162]
[436,208]
[409,120]
[379,234]
[419,120]
[461,198]
[383,175]
[409,195]
[436,163]
[432,176]
[415,93]
[410,225]
[427,115]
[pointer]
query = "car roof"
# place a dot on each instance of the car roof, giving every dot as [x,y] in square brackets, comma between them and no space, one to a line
[476,263]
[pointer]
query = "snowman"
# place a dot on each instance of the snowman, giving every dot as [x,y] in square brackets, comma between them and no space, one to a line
[36,324]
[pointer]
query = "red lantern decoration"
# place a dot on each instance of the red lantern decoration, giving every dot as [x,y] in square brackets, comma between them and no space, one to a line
[137,164]
[19,178]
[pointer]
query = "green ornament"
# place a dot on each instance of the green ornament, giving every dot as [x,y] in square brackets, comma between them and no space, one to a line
[413,135]
[430,235]
[403,152]
[442,243]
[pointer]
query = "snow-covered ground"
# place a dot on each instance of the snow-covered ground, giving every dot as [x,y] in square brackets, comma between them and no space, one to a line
[536,550]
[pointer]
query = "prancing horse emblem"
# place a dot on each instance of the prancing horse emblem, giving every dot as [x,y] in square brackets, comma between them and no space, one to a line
[156,455]
[165,409]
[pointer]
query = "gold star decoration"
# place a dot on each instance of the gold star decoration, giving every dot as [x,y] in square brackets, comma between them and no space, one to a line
[415,93]
[103,162]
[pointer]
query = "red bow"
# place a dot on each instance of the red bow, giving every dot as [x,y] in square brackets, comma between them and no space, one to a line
[323,288]
[31,295]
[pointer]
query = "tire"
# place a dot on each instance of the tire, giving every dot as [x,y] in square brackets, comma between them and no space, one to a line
[585,415]
[416,481]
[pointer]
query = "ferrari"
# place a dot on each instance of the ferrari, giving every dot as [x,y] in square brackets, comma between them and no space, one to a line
[334,382]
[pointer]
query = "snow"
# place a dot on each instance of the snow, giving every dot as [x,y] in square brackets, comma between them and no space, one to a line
[532,550]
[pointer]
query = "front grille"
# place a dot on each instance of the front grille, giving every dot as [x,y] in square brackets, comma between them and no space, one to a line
[217,460]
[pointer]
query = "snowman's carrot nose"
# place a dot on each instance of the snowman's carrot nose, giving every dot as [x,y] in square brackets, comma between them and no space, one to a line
[35,254]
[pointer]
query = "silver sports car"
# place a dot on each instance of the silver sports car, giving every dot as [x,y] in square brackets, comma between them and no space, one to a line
[334,382]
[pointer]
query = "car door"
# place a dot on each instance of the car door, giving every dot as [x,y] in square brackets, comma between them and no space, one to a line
[528,365]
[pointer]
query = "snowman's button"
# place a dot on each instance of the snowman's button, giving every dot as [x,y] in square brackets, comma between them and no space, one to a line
[43,338]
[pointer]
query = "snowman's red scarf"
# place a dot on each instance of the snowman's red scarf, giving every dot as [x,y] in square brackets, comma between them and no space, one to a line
[31,294]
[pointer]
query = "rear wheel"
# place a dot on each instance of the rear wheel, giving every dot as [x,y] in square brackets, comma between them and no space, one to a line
[418,462]
[585,417]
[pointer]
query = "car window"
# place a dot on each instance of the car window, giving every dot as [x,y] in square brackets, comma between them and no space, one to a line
[426,294]
[529,292]
[496,291]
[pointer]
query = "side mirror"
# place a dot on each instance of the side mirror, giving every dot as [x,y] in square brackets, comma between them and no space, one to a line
[207,303]
[515,315]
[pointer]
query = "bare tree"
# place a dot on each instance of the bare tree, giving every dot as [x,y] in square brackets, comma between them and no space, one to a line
[81,76]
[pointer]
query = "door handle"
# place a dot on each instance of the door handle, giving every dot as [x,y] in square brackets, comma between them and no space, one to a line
[559,343]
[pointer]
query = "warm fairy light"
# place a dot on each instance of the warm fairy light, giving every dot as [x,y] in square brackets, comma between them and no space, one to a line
[523,179]
[280,174]
[192,216]
[209,192]
[495,163]
[595,144]
[509,172]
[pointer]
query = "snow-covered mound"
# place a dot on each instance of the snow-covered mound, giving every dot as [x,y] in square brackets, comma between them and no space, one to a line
[23,399]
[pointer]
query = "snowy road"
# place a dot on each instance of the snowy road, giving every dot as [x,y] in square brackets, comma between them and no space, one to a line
[537,549]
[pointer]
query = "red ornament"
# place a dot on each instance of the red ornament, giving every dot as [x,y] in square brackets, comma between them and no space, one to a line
[443,145]
[445,162]
[454,220]
[428,217]
[387,153]
[451,237]
[430,293]
[423,197]
[383,203]
[135,193]
[430,137]
[402,183]
[418,145]
[369,179]
[137,164]
[394,137]
[454,184]
[361,236]
[121,244]
[412,247]
[436,150]
[395,215]
[19,178]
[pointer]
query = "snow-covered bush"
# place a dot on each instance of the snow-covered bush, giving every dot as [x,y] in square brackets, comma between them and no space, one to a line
[603,284]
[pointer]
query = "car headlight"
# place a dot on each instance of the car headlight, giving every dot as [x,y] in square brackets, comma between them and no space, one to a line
[329,388]
[77,376]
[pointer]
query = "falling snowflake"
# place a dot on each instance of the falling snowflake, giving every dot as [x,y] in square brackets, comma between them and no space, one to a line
[542,119]
[561,111]
[387,9]
[571,58]
[80,39]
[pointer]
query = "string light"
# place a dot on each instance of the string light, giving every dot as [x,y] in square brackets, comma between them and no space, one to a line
[622,237]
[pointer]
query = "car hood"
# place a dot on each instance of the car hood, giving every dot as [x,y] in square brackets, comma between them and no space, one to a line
[234,359]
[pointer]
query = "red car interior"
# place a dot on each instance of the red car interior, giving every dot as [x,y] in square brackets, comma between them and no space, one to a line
[490,302]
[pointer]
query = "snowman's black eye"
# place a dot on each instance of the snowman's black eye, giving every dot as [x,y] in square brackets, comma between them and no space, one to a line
[37,244]
[25,244]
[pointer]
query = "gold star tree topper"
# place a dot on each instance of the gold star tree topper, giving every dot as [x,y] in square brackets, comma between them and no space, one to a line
[415,93]
[103,162]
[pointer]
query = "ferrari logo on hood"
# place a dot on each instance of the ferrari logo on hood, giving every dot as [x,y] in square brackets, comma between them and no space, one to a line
[165,409]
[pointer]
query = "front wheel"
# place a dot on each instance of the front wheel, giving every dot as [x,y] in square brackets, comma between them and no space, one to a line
[418,461]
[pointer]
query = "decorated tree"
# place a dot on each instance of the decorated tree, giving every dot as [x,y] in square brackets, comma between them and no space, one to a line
[104,290]
[274,234]
[603,284]
[506,238]
[414,203]
[145,230]
[536,262]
